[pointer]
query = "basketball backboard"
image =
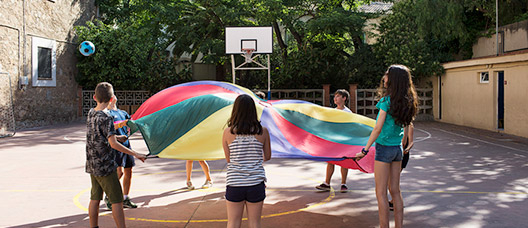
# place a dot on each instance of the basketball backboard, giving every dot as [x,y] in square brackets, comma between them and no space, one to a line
[260,39]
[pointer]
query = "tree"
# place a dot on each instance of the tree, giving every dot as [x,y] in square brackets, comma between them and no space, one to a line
[316,38]
[128,57]
[425,33]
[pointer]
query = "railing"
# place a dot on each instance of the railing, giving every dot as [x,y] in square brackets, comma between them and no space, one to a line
[128,101]
[366,100]
[425,104]
[366,103]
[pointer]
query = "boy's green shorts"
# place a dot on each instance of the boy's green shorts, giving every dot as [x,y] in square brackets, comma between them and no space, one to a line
[109,185]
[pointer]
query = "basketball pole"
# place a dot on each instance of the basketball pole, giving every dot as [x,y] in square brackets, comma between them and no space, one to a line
[259,67]
[269,78]
[233,67]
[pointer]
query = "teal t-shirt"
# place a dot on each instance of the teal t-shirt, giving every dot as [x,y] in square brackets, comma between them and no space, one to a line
[391,134]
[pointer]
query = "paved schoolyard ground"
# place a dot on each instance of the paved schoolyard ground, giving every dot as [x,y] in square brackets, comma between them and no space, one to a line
[457,177]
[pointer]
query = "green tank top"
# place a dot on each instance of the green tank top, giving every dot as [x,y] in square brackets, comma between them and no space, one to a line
[391,134]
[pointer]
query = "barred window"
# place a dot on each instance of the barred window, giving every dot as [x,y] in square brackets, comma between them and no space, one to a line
[484,77]
[43,61]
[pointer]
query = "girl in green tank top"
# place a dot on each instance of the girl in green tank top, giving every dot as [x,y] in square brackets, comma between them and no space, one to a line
[397,108]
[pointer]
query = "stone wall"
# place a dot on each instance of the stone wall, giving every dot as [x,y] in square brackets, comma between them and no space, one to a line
[20,22]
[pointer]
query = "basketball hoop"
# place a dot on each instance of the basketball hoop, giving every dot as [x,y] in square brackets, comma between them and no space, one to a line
[245,41]
[248,52]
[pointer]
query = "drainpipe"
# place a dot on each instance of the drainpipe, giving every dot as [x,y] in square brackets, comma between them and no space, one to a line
[497,25]
[439,97]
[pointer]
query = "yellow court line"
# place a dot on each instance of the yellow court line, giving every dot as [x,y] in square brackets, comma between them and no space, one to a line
[268,189]
[468,192]
[40,190]
[324,201]
[76,199]
[177,171]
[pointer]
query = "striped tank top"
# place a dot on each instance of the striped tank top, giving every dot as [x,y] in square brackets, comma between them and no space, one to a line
[245,166]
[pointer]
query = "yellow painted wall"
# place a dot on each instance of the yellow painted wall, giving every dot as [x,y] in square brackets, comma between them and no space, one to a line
[465,101]
[516,99]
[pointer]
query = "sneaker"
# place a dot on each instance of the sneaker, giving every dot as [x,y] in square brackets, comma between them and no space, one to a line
[323,187]
[189,185]
[129,204]
[107,202]
[344,188]
[207,184]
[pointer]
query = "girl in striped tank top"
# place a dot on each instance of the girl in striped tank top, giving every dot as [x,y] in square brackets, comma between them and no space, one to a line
[246,145]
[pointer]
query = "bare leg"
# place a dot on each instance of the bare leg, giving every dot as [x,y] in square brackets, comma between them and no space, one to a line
[401,169]
[396,193]
[329,172]
[205,168]
[235,210]
[254,211]
[381,176]
[127,180]
[119,172]
[93,212]
[188,169]
[118,214]
[344,174]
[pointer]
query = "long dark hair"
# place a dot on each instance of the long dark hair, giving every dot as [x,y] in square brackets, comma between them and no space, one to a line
[403,98]
[244,120]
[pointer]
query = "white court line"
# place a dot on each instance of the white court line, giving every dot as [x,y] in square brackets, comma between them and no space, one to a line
[423,139]
[67,139]
[482,141]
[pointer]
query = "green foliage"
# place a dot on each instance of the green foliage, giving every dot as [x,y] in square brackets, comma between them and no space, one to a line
[127,57]
[366,68]
[320,40]
[316,45]
[422,34]
[319,34]
[510,11]
[401,43]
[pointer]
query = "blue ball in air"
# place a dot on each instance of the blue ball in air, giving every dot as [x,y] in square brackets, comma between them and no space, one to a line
[87,48]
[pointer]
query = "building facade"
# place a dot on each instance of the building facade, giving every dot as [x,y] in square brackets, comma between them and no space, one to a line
[489,91]
[37,49]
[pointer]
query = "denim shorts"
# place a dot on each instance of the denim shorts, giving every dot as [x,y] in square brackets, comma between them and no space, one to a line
[252,194]
[388,154]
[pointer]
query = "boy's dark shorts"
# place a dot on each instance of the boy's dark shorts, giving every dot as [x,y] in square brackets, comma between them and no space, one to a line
[124,160]
[109,185]
[252,194]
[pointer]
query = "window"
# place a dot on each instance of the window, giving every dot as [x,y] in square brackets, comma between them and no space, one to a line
[43,60]
[484,77]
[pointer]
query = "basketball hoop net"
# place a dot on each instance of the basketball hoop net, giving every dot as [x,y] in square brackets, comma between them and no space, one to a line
[248,53]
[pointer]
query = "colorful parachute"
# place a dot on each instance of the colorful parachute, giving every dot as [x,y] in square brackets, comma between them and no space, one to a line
[186,122]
